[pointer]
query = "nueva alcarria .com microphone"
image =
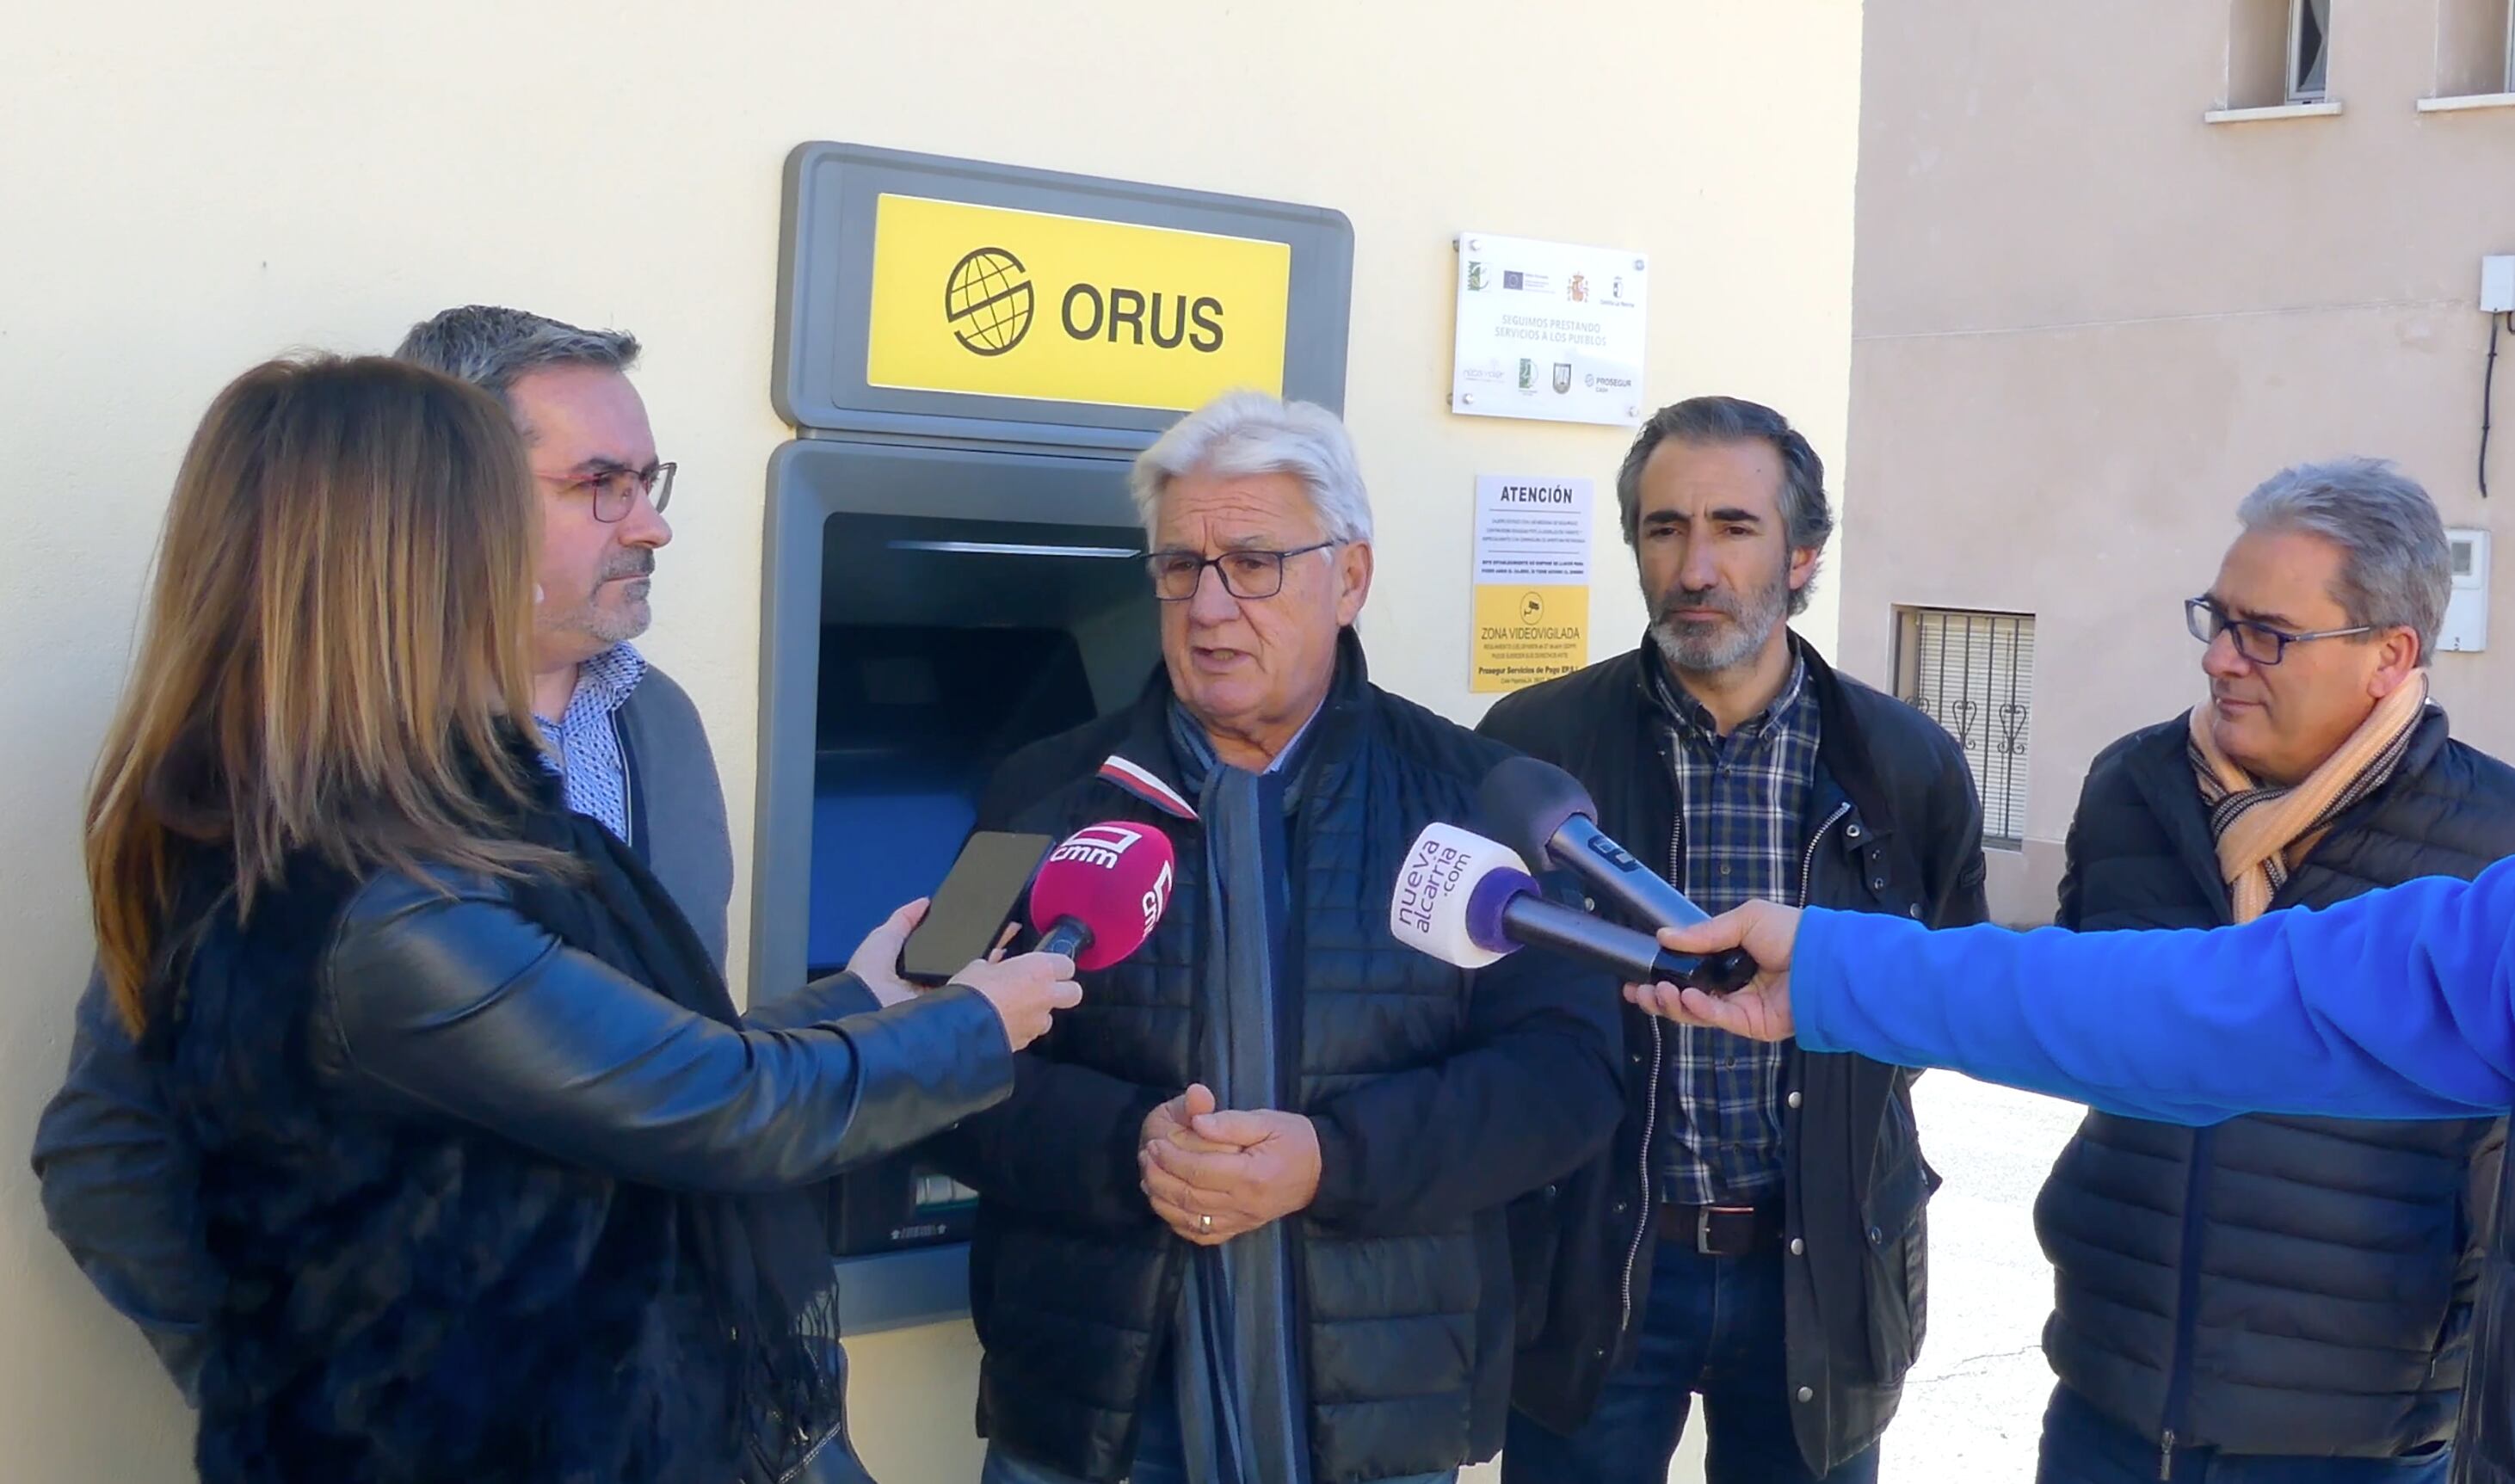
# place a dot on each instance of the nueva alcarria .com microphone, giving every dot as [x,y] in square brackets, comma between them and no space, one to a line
[1468,901]
[1099,892]
[1544,813]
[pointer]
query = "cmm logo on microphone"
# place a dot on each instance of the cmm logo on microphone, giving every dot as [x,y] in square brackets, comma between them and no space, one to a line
[1156,897]
[987,300]
[1099,845]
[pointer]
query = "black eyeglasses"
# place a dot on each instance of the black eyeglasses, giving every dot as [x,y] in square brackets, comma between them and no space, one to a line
[2259,642]
[613,490]
[1246,573]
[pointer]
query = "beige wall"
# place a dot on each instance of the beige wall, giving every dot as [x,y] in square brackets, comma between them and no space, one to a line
[183,191]
[2086,323]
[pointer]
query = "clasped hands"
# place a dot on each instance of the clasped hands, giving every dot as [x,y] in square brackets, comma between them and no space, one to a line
[1212,1175]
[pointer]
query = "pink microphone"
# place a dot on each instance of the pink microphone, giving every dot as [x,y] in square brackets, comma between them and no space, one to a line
[1100,892]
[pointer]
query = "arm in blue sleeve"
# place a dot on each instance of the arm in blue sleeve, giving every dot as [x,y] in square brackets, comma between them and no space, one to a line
[2393,1004]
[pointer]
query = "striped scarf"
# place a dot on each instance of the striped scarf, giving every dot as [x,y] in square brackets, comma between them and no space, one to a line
[2263,831]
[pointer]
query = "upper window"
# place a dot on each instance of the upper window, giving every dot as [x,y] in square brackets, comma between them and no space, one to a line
[2278,55]
[2475,48]
[2309,50]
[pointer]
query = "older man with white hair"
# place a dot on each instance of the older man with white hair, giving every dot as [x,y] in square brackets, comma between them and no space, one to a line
[1243,1219]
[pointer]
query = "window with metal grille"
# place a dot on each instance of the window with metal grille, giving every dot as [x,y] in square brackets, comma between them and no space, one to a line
[1974,675]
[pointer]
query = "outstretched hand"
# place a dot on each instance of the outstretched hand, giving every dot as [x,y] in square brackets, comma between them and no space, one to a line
[1759,1011]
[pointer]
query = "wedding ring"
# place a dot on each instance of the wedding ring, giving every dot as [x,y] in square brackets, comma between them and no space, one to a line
[1204,1223]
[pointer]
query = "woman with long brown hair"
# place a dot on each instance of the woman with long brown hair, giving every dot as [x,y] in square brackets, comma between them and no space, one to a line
[501,1185]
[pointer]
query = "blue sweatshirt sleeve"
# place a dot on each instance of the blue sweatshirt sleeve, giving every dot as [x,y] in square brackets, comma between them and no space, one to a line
[2400,1004]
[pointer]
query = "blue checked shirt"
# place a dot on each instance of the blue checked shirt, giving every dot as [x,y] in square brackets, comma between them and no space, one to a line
[585,745]
[1741,812]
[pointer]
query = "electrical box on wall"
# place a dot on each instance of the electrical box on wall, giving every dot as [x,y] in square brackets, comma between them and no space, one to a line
[2497,285]
[2467,608]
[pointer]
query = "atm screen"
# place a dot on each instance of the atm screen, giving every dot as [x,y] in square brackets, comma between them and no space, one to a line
[913,722]
[946,646]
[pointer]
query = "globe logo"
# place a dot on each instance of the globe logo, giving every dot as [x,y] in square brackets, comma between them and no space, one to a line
[987,302]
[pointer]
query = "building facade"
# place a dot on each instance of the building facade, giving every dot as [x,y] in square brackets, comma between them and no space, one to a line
[2114,265]
[189,191]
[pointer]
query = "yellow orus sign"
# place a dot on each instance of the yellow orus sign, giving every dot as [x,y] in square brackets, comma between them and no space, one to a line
[1001,303]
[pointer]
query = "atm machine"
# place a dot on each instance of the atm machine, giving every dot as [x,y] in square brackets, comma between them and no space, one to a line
[970,355]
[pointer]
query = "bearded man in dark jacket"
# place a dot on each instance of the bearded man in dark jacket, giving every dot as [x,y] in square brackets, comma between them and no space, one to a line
[1757,1235]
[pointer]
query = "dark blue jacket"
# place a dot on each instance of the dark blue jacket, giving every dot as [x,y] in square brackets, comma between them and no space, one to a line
[1438,1095]
[2279,1284]
[2399,1004]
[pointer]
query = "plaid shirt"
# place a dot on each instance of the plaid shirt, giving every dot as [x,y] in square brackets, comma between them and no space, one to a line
[1742,809]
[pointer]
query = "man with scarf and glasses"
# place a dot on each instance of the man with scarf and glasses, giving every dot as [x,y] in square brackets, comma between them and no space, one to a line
[2291,1297]
[1756,1236]
[1245,1219]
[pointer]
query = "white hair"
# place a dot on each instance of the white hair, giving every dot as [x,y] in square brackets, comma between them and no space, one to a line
[1250,433]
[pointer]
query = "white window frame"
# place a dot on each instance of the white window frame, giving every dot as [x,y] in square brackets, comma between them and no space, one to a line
[2298,90]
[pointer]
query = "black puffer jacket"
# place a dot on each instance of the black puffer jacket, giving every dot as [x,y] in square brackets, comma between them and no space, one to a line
[2484,1448]
[1893,827]
[2272,1285]
[1438,1095]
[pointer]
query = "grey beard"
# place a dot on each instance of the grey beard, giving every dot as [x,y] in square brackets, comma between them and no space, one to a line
[1710,653]
[622,627]
[594,622]
[1713,648]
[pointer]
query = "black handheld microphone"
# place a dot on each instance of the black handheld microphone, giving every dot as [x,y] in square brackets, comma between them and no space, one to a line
[1544,813]
[1533,921]
[1464,900]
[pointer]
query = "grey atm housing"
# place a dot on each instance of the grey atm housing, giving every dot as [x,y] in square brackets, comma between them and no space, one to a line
[944,579]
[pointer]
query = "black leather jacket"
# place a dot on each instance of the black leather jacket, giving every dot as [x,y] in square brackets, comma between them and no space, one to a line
[117,1185]
[461,1009]
[118,1190]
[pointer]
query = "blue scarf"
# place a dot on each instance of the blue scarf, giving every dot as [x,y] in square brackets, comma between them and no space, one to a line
[1242,1417]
